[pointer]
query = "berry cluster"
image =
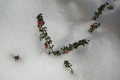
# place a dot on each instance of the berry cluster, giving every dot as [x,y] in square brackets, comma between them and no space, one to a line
[43,33]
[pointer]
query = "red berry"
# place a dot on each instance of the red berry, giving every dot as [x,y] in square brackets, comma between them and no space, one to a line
[46,45]
[91,26]
[40,30]
[42,23]
[39,22]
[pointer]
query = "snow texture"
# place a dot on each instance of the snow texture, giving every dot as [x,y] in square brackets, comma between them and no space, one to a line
[67,21]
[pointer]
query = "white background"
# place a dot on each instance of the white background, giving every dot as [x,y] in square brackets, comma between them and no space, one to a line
[67,21]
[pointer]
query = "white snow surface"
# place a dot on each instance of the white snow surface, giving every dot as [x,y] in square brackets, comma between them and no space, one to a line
[67,21]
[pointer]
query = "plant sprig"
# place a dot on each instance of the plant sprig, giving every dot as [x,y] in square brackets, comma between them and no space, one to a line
[97,14]
[101,9]
[68,65]
[48,41]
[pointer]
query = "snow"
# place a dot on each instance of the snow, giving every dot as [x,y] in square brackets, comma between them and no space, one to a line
[67,21]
